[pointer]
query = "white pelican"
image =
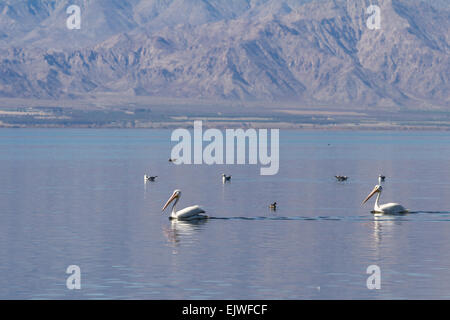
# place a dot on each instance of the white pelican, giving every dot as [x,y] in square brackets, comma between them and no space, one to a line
[341,178]
[225,178]
[149,178]
[388,208]
[189,213]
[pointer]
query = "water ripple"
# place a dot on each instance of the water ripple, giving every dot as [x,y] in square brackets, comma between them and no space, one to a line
[411,216]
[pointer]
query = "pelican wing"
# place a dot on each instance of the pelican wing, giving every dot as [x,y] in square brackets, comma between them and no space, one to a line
[189,212]
[392,208]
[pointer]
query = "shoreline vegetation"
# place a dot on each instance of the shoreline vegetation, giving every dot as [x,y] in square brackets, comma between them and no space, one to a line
[214,114]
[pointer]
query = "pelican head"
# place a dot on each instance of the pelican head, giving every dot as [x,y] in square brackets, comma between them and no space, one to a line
[378,188]
[175,195]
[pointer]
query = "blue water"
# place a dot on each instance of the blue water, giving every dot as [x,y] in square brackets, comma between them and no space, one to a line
[78,197]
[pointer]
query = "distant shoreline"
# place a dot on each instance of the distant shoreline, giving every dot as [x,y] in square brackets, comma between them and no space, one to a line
[234,125]
[164,116]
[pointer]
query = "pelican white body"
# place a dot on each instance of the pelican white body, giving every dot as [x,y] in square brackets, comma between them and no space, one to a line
[388,208]
[190,213]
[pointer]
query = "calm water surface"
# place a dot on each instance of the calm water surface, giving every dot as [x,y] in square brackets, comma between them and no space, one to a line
[77,197]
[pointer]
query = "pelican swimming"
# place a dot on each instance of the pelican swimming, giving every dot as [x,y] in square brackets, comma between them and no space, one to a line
[189,213]
[341,178]
[149,178]
[225,178]
[388,208]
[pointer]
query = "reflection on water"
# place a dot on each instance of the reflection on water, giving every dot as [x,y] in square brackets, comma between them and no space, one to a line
[384,224]
[182,229]
[78,197]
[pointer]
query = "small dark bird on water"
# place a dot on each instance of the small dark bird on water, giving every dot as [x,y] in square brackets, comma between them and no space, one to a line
[273,206]
[381,177]
[150,178]
[225,178]
[341,178]
[172,160]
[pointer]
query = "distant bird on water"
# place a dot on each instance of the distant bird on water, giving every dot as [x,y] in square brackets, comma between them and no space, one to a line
[149,178]
[381,178]
[172,160]
[273,206]
[225,178]
[341,178]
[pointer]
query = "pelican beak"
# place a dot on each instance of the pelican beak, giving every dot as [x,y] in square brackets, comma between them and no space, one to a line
[375,190]
[173,197]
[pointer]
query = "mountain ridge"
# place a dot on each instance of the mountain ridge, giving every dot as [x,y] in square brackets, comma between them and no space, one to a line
[315,53]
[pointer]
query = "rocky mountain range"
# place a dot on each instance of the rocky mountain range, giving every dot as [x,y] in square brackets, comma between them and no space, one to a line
[303,52]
